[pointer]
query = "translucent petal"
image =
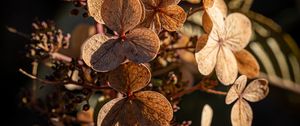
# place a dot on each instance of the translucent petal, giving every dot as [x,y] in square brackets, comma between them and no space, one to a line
[226,68]
[237,32]
[256,90]
[206,58]
[236,89]
[142,45]
[247,63]
[129,77]
[241,114]
[172,17]
[122,15]
[94,8]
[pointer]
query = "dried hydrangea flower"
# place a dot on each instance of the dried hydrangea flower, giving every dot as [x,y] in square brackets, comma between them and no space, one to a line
[163,14]
[228,35]
[241,112]
[143,108]
[207,115]
[140,45]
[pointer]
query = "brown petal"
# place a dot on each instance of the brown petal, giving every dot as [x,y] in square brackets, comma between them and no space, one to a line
[201,42]
[256,90]
[151,21]
[146,108]
[247,63]
[208,3]
[101,53]
[155,109]
[91,46]
[94,8]
[206,58]
[206,23]
[241,114]
[109,113]
[122,15]
[172,17]
[226,67]
[149,4]
[207,115]
[238,31]
[236,90]
[129,77]
[142,45]
[165,3]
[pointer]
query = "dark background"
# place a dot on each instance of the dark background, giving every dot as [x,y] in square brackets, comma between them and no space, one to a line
[277,110]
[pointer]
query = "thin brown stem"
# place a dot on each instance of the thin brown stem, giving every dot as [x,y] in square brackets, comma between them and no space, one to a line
[200,86]
[85,84]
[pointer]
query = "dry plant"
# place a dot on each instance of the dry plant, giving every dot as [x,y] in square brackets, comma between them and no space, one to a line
[135,69]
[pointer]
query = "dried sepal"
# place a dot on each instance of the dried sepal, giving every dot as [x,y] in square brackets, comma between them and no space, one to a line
[145,108]
[247,64]
[94,8]
[155,108]
[256,90]
[201,42]
[108,56]
[129,77]
[207,115]
[108,113]
[236,90]
[206,58]
[141,45]
[238,31]
[91,45]
[121,15]
[172,17]
[206,22]
[226,67]
[163,13]
[241,114]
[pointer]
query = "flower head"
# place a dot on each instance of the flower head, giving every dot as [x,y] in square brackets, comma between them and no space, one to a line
[163,14]
[227,34]
[140,45]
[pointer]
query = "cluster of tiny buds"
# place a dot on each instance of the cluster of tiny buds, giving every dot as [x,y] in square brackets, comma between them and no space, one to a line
[46,38]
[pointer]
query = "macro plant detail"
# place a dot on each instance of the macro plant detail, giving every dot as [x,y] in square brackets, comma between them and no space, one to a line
[139,60]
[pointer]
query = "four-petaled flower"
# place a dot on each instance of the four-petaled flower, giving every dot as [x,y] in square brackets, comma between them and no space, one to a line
[163,14]
[226,35]
[140,45]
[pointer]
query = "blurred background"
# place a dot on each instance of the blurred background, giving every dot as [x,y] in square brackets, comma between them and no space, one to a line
[280,108]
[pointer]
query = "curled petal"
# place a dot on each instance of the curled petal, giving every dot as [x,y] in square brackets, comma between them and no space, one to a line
[237,32]
[226,67]
[94,8]
[206,58]
[256,90]
[241,114]
[236,89]
[122,15]
[108,57]
[247,63]
[142,45]
[172,17]
[129,77]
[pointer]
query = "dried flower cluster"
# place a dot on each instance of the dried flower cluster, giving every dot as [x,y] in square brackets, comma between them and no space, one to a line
[142,65]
